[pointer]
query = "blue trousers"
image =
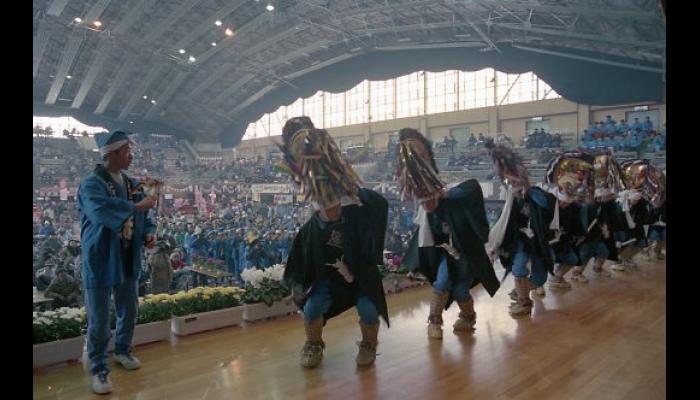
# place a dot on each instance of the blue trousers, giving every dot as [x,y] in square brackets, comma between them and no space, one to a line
[589,250]
[97,306]
[568,258]
[538,275]
[319,301]
[623,236]
[657,233]
[459,284]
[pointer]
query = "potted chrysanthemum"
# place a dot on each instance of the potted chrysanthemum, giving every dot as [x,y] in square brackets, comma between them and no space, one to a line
[265,294]
[396,278]
[153,321]
[57,336]
[205,308]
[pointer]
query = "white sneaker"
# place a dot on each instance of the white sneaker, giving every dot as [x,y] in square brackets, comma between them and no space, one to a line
[101,384]
[563,284]
[127,361]
[539,291]
[579,278]
[618,267]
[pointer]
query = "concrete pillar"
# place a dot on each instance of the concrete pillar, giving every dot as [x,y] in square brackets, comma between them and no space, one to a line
[493,121]
[583,120]
[423,127]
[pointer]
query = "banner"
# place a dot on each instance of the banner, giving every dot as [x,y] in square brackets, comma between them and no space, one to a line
[283,198]
[271,188]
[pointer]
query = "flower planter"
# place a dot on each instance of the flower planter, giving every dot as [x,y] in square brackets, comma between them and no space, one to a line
[145,333]
[151,332]
[392,283]
[407,283]
[50,353]
[183,326]
[259,311]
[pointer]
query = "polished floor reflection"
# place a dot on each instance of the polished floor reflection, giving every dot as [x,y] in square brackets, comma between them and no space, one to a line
[604,340]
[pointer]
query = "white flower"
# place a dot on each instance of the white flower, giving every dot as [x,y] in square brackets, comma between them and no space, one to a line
[253,276]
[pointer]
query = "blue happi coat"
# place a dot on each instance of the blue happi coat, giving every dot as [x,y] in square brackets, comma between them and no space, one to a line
[101,218]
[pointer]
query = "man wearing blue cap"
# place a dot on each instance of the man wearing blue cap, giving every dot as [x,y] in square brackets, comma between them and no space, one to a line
[114,228]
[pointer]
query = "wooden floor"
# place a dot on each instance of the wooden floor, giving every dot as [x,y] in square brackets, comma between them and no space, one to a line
[605,340]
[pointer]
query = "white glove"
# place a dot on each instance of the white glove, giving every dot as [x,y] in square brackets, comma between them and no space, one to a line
[343,270]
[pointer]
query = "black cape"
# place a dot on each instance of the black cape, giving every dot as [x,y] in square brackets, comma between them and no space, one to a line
[641,215]
[570,222]
[611,217]
[542,205]
[466,217]
[363,232]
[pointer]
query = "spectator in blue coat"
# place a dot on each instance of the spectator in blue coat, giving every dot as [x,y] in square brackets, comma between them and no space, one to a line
[623,127]
[636,125]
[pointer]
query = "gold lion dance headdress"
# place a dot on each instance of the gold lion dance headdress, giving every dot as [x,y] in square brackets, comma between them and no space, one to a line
[572,175]
[316,164]
[607,176]
[417,172]
[649,180]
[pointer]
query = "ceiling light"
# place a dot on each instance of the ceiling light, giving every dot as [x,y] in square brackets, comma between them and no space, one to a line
[131,122]
[270,7]
[68,76]
[145,97]
[153,102]
[228,32]
[78,20]
[182,51]
[192,59]
[213,43]
[217,23]
[97,23]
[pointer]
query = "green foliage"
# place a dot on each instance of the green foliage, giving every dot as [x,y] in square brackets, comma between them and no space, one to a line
[268,292]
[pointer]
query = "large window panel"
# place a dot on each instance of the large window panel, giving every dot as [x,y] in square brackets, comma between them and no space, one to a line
[435,82]
[296,109]
[410,95]
[381,100]
[545,91]
[313,106]
[335,109]
[356,104]
[262,126]
[250,131]
[277,120]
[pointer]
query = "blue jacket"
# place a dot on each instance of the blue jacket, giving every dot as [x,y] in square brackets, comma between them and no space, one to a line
[101,218]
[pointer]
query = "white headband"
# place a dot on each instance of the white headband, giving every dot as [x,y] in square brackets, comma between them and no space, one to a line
[106,149]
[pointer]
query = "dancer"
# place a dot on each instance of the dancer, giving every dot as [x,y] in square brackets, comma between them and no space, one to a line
[332,265]
[524,229]
[633,207]
[573,171]
[657,230]
[448,245]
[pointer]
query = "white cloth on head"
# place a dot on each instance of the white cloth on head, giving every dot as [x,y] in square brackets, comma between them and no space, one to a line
[106,149]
